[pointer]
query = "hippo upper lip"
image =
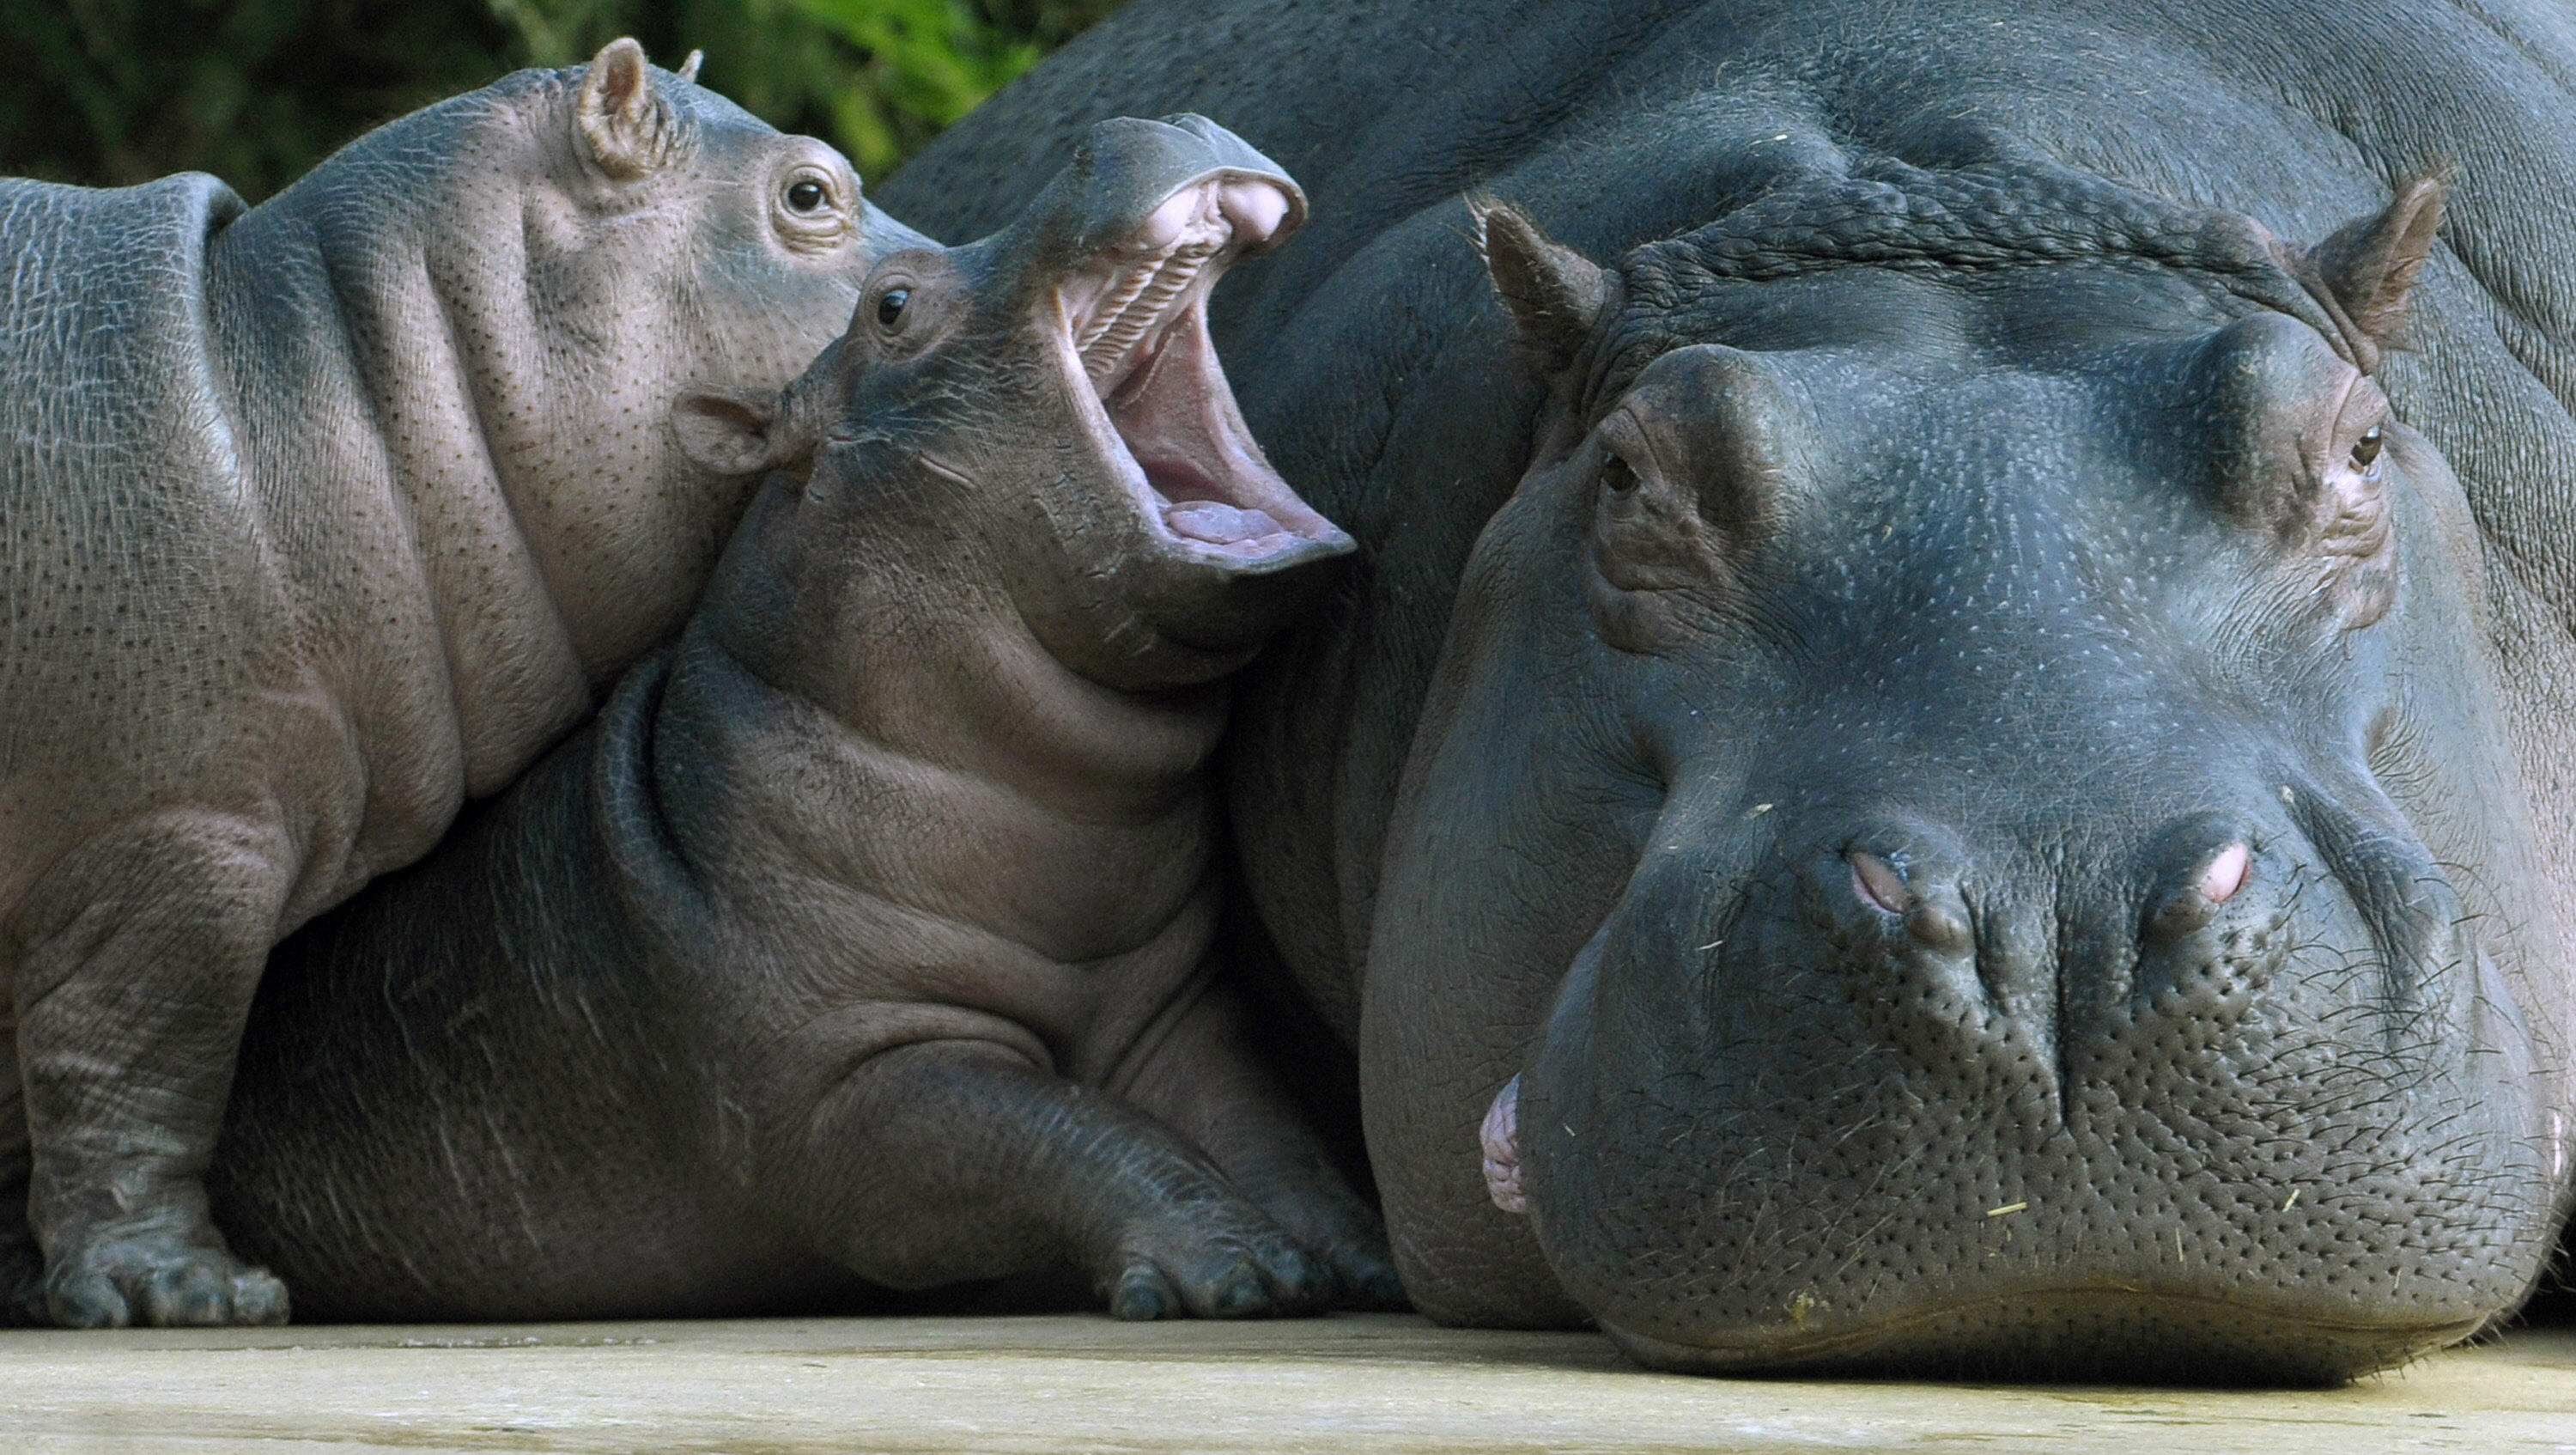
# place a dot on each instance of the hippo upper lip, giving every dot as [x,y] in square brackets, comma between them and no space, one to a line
[1136,325]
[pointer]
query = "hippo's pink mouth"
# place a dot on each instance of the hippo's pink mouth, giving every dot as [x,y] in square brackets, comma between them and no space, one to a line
[1136,323]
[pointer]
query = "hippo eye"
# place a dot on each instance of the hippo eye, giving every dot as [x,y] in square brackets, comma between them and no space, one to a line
[2365,450]
[1617,475]
[807,195]
[890,305]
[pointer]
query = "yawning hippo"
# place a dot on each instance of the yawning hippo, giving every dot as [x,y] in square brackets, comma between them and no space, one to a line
[315,520]
[864,939]
[1996,791]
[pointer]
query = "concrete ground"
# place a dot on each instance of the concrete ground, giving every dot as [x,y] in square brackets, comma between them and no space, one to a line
[1351,1384]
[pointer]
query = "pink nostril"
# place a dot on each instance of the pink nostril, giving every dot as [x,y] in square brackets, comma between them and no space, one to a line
[1256,210]
[2226,874]
[1877,883]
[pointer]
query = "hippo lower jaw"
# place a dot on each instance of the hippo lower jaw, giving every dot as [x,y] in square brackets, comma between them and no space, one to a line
[1136,328]
[2098,1331]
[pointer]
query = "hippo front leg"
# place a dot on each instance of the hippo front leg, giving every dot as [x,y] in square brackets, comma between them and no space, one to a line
[945,1161]
[139,955]
[1200,1078]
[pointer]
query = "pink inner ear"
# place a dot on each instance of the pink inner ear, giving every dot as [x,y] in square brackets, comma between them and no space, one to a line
[2226,874]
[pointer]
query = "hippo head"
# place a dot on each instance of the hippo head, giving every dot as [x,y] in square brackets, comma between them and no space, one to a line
[1963,823]
[1049,396]
[536,269]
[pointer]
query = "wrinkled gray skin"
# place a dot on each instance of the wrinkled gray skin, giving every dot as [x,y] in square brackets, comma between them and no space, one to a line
[863,942]
[317,519]
[1983,820]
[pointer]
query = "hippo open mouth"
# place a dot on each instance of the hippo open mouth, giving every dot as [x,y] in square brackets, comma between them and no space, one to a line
[1135,323]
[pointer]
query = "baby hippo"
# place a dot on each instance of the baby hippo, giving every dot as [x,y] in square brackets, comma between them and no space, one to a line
[864,942]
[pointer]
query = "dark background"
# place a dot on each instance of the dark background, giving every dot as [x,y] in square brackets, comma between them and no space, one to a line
[107,92]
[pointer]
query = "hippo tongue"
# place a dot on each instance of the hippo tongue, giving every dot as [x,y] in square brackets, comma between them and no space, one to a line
[1218,525]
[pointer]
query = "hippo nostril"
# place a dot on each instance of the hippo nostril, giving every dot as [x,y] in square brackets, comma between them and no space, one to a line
[2226,873]
[2196,904]
[1936,926]
[1878,884]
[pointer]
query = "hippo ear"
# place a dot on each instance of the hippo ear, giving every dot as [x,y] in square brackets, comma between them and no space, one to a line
[728,432]
[688,70]
[1553,293]
[624,119]
[2371,265]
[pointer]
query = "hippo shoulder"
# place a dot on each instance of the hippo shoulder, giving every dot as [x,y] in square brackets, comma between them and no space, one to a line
[106,383]
[103,299]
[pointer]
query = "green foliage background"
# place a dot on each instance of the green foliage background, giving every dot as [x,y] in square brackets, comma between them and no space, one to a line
[256,91]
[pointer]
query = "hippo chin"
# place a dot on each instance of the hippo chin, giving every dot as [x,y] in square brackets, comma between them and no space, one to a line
[863,943]
[1952,754]
[316,519]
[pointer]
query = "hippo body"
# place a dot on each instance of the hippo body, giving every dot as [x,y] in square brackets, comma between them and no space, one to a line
[1950,753]
[316,519]
[863,942]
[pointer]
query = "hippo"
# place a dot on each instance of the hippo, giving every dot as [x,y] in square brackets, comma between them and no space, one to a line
[862,944]
[318,519]
[1950,752]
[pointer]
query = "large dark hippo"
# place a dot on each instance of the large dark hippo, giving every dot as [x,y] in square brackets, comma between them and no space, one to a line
[863,941]
[315,520]
[1959,753]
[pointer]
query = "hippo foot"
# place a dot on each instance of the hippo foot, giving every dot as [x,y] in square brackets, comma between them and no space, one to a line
[1248,1275]
[1339,1227]
[115,1282]
[1366,1270]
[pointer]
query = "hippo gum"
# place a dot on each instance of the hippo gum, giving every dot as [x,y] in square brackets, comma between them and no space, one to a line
[317,519]
[863,942]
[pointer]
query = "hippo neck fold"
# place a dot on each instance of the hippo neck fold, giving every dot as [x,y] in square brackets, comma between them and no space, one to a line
[927,673]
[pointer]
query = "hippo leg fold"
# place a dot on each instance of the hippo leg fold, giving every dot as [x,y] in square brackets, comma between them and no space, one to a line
[944,1161]
[141,952]
[1200,1079]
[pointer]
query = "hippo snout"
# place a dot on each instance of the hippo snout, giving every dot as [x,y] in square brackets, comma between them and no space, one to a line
[1873,1091]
